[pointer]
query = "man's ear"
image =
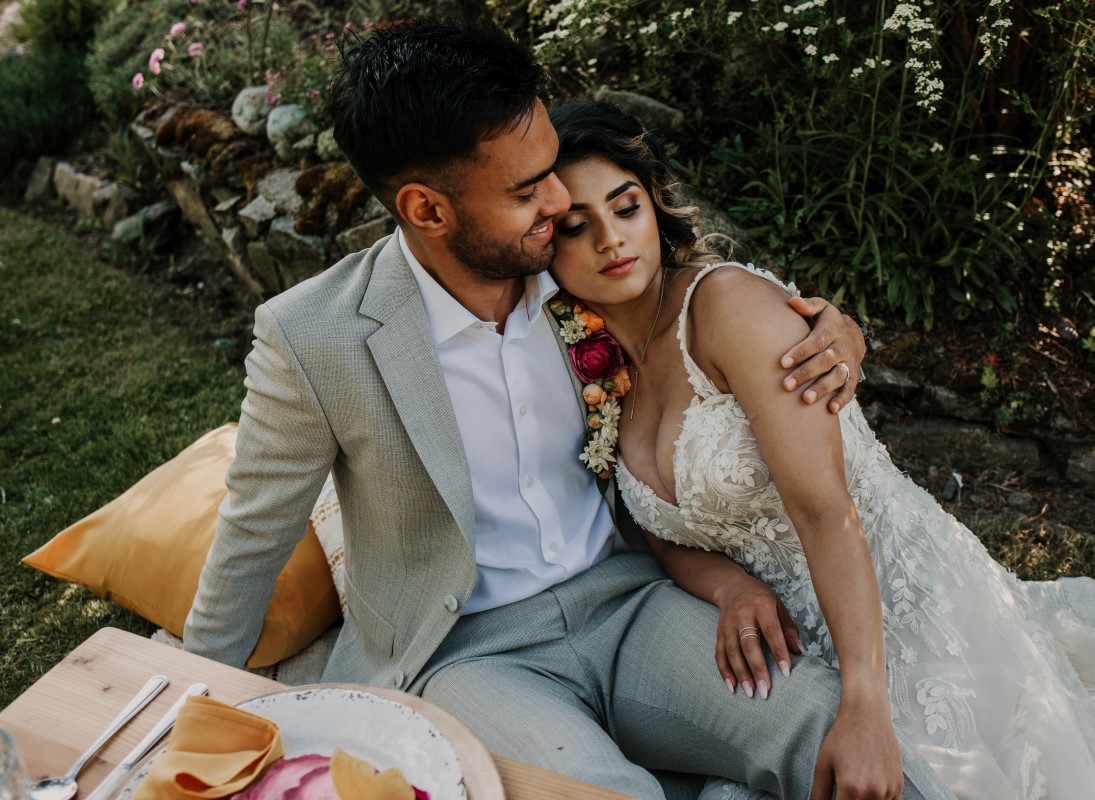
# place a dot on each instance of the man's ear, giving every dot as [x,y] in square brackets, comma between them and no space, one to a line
[426,210]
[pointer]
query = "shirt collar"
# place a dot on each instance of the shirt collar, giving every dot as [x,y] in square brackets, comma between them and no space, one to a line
[447,317]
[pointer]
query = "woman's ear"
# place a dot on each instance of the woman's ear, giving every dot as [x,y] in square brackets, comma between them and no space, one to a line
[426,210]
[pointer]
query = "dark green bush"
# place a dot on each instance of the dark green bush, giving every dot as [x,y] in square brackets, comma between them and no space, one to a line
[64,24]
[900,154]
[44,104]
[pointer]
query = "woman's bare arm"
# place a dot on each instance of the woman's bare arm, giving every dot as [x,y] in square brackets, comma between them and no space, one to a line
[739,326]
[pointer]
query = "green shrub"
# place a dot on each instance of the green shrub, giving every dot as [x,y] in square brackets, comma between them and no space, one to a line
[65,24]
[44,105]
[237,47]
[893,151]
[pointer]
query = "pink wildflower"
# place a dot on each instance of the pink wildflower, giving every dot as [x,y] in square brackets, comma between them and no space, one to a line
[349,26]
[329,36]
[195,49]
[177,28]
[138,81]
[313,92]
[155,59]
[271,99]
[241,3]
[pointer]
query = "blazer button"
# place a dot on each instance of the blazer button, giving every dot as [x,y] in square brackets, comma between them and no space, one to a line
[451,603]
[397,679]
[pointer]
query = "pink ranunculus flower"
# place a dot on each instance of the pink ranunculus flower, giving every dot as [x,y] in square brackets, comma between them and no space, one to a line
[138,80]
[596,357]
[177,28]
[155,59]
[195,49]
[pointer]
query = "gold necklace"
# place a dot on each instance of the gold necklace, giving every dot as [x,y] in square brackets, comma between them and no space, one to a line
[642,358]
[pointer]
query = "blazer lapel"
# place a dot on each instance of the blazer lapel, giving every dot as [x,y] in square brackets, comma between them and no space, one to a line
[406,357]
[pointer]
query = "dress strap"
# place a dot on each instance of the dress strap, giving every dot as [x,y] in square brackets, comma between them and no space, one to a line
[703,385]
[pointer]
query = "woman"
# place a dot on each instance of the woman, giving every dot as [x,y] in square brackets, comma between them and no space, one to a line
[931,635]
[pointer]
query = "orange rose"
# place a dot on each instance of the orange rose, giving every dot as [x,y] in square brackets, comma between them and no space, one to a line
[594,395]
[592,322]
[622,379]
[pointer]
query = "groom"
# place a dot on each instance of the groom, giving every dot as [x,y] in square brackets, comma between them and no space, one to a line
[484,570]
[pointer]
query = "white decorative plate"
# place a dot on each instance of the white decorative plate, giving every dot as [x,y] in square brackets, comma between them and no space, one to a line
[386,733]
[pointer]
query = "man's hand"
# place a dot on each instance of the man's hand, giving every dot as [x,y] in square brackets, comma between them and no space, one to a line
[827,360]
[861,756]
[750,613]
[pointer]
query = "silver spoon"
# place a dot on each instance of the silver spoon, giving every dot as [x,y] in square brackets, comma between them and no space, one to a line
[64,787]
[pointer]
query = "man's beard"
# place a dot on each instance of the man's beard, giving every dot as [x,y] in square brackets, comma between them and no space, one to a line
[493,258]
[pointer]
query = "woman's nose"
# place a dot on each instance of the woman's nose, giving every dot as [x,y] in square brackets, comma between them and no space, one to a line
[608,237]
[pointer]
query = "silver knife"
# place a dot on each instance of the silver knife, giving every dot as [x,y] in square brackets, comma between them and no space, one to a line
[110,783]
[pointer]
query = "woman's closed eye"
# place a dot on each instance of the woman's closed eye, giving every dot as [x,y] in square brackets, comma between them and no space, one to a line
[572,229]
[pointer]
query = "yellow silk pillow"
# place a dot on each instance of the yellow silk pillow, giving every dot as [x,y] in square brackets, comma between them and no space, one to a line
[145,551]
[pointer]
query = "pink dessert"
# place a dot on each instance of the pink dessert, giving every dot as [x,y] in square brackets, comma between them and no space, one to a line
[300,778]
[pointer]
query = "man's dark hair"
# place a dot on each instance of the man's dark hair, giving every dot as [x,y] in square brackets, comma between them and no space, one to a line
[413,100]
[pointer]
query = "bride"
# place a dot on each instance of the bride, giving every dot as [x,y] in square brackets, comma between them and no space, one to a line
[932,637]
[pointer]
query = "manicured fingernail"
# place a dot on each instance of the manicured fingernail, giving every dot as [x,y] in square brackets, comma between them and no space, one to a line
[834,406]
[810,396]
[789,383]
[786,362]
[798,646]
[747,688]
[730,683]
[762,688]
[785,668]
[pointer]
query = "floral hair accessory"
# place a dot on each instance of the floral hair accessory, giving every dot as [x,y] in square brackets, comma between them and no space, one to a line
[598,361]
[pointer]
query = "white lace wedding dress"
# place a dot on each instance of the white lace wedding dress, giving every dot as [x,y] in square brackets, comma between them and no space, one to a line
[982,667]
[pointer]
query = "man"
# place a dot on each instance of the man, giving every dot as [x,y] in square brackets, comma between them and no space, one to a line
[484,571]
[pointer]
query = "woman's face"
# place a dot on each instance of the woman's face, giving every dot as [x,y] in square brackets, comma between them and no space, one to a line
[607,244]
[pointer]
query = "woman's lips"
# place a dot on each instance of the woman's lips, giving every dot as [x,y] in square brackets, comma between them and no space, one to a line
[620,266]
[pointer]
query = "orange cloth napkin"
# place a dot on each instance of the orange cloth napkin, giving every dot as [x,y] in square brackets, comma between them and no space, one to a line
[215,750]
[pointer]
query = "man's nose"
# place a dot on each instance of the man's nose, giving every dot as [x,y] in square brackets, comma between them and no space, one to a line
[556,196]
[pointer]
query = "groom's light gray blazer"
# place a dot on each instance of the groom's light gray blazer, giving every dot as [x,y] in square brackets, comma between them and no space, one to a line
[344,377]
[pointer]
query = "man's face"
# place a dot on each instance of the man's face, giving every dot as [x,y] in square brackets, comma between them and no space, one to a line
[508,197]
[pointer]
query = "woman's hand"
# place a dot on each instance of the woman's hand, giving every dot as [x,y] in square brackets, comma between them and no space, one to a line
[860,755]
[750,614]
[828,360]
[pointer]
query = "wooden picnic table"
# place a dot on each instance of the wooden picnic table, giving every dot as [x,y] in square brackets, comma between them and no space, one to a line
[62,713]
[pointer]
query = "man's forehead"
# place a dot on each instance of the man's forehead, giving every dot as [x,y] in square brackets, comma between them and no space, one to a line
[520,156]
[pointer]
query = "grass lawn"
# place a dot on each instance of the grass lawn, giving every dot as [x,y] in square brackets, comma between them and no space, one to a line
[102,378]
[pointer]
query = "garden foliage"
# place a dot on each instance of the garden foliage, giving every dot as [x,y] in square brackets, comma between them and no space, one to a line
[202,54]
[905,155]
[44,99]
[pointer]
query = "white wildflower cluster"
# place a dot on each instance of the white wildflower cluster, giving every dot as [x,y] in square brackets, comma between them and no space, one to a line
[571,19]
[912,21]
[733,17]
[995,25]
[870,64]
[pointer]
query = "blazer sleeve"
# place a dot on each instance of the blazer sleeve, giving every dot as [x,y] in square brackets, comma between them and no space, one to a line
[284,451]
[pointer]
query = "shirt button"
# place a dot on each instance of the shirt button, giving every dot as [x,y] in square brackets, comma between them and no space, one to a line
[553,547]
[451,603]
[529,480]
[397,679]
[523,410]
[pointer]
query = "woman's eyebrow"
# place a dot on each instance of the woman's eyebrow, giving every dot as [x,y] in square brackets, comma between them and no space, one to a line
[610,196]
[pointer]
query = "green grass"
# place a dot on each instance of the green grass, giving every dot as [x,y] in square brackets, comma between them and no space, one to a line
[102,378]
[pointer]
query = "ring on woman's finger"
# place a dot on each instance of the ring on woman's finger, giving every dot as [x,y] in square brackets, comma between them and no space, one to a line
[847,371]
[745,633]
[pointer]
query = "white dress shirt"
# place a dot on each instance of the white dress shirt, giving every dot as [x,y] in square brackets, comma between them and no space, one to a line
[539,516]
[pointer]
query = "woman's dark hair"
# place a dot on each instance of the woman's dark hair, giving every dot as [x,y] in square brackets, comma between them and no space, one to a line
[412,101]
[597,128]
